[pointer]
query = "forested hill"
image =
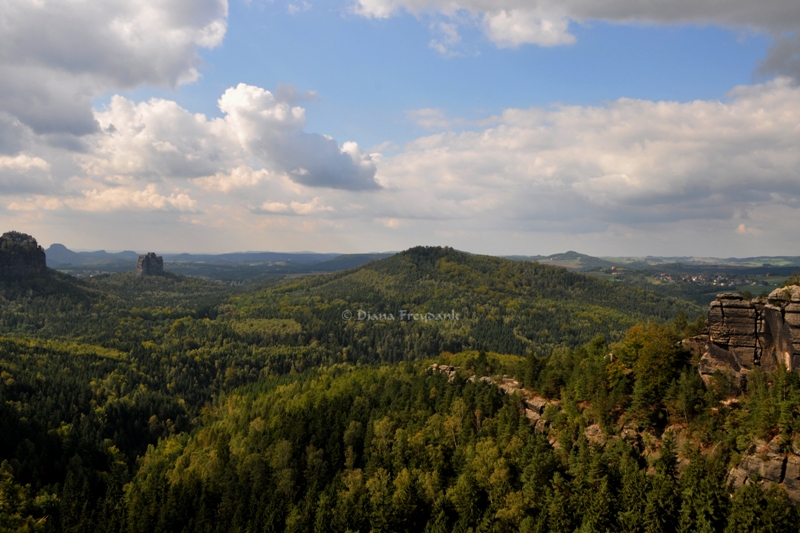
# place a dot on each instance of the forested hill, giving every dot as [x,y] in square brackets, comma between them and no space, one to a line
[502,305]
[118,311]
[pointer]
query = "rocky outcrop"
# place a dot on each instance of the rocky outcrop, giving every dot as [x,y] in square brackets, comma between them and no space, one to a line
[533,405]
[743,334]
[766,463]
[20,256]
[150,265]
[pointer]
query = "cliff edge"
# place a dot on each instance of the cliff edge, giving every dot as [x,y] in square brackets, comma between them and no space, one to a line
[744,334]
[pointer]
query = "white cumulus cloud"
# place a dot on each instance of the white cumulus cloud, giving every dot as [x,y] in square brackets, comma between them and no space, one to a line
[511,28]
[59,54]
[160,139]
[630,162]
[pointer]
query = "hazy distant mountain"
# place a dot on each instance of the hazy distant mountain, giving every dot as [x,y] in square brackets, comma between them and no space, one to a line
[60,255]
[237,265]
[347,261]
[258,257]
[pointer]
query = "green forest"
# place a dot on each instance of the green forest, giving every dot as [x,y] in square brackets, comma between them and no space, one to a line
[176,404]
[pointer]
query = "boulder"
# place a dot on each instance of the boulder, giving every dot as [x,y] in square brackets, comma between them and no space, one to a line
[695,345]
[509,385]
[532,416]
[791,477]
[785,294]
[736,478]
[718,359]
[730,296]
[769,466]
[594,434]
[536,404]
[766,464]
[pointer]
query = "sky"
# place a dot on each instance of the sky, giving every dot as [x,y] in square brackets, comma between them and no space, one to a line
[610,127]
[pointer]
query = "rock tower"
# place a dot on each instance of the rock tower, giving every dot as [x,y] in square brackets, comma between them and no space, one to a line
[20,256]
[150,265]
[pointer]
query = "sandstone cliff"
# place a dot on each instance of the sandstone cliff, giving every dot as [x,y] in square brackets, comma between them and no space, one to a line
[743,334]
[20,256]
[150,265]
[767,463]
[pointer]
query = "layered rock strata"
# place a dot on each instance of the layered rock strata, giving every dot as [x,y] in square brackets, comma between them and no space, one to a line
[766,463]
[743,334]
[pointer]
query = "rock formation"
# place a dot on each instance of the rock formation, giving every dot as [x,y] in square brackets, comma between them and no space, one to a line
[533,405]
[20,256]
[150,265]
[766,463]
[743,334]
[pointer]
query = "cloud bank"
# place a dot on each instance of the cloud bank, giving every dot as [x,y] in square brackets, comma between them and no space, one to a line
[631,161]
[511,23]
[630,165]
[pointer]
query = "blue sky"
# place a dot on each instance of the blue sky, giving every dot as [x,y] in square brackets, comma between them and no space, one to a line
[611,127]
[369,73]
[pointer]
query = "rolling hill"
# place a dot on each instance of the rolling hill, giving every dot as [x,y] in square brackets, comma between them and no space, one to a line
[502,305]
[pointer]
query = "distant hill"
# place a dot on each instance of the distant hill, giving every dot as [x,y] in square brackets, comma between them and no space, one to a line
[254,257]
[579,261]
[503,305]
[60,255]
[571,260]
[237,266]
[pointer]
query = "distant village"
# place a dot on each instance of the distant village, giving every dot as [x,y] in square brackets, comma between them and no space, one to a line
[718,280]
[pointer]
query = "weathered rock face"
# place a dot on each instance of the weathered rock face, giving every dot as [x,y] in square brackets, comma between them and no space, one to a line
[766,463]
[20,256]
[743,334]
[150,265]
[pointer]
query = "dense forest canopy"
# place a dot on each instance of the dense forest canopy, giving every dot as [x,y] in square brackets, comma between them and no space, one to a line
[171,403]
